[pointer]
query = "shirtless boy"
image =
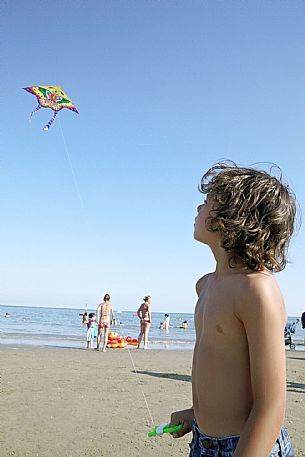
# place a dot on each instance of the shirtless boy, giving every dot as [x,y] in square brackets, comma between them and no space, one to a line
[104,310]
[238,378]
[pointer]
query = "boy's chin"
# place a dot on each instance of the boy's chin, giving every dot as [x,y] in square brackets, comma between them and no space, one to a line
[201,238]
[198,238]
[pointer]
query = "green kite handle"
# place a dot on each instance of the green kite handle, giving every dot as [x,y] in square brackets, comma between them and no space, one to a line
[166,429]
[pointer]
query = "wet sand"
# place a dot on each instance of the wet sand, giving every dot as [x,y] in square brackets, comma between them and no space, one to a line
[73,402]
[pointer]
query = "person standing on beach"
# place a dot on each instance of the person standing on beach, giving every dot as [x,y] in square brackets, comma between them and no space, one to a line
[166,322]
[145,321]
[91,328]
[105,315]
[238,375]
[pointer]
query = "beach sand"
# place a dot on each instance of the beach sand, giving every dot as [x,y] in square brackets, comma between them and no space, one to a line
[73,402]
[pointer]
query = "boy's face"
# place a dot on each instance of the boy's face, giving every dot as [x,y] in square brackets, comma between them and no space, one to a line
[201,233]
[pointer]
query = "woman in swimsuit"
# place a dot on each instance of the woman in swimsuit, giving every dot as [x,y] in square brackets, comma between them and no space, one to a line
[145,321]
[105,309]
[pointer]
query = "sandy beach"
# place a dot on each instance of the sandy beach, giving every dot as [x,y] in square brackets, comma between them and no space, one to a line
[73,402]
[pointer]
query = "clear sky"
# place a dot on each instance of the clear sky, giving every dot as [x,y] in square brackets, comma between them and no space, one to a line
[164,89]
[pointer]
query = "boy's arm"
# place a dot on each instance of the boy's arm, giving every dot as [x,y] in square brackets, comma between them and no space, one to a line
[263,315]
[112,313]
[185,417]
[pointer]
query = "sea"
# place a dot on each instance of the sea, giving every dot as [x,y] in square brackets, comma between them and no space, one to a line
[62,327]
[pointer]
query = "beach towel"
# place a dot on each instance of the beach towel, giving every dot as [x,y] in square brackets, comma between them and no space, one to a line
[92,331]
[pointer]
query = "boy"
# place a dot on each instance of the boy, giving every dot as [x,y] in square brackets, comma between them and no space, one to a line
[105,309]
[238,378]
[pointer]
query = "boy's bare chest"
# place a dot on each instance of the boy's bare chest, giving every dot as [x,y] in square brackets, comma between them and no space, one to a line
[214,313]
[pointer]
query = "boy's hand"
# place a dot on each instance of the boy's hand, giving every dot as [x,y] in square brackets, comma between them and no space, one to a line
[185,417]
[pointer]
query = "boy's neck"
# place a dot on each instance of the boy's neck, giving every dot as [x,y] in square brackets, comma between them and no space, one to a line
[224,262]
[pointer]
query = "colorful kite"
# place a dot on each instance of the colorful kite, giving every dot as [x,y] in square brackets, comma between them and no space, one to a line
[50,97]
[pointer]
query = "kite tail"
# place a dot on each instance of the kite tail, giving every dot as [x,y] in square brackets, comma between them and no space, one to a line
[48,125]
[34,111]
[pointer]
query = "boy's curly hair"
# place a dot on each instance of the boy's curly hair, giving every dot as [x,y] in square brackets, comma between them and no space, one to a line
[253,212]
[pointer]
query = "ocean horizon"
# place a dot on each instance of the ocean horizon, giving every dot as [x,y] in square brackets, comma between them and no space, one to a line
[62,327]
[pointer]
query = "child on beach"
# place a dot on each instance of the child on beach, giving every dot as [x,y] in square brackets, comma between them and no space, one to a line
[145,321]
[238,376]
[105,310]
[91,328]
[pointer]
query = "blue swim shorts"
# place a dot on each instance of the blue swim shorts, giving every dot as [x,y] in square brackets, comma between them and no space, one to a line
[203,445]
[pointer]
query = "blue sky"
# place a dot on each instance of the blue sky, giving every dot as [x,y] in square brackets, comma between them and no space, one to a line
[164,89]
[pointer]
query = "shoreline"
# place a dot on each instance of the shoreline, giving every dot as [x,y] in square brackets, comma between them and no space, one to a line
[62,344]
[73,402]
[28,341]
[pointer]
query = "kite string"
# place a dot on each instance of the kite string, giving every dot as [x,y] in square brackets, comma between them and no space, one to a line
[138,380]
[83,211]
[78,192]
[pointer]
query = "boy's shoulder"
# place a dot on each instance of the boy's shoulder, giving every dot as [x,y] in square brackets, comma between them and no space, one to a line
[256,281]
[201,283]
[244,282]
[253,284]
[258,292]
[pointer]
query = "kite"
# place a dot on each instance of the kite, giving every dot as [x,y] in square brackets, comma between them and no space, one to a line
[50,97]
